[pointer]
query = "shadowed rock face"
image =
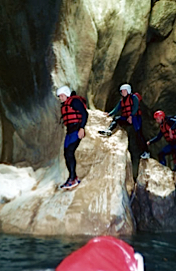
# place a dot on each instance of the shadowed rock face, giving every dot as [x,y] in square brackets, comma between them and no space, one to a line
[27,105]
[26,31]
[154,205]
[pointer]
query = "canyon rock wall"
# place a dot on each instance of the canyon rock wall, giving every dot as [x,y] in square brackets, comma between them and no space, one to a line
[92,47]
[30,134]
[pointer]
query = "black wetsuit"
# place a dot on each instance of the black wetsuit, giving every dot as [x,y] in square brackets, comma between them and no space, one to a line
[71,140]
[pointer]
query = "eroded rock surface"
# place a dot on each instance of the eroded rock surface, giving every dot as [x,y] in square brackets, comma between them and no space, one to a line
[92,46]
[154,205]
[99,205]
[101,48]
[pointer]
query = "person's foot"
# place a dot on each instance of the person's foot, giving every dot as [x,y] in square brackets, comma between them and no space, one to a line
[145,155]
[71,184]
[77,179]
[61,186]
[106,132]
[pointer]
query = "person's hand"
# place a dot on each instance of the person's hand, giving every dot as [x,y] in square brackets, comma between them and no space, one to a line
[148,143]
[170,134]
[129,119]
[81,133]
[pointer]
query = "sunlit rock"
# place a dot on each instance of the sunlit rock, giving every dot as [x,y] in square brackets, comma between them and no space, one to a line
[162,17]
[74,46]
[101,47]
[122,29]
[154,206]
[15,181]
[99,205]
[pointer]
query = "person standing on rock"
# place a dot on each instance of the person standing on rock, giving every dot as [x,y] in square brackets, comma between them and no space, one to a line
[168,130]
[74,115]
[130,115]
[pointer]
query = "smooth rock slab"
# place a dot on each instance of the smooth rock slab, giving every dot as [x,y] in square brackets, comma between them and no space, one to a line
[99,205]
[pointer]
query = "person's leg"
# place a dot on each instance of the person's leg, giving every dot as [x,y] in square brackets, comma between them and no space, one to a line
[70,145]
[162,154]
[141,141]
[69,154]
[116,120]
[137,124]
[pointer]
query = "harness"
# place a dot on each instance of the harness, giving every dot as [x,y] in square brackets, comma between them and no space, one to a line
[165,130]
[127,104]
[70,115]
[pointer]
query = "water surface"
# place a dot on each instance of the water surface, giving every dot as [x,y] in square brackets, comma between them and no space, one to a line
[18,253]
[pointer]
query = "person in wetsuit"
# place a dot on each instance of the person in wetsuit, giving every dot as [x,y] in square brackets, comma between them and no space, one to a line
[130,115]
[168,130]
[74,115]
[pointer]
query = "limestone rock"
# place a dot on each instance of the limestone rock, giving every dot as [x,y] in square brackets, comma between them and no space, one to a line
[99,205]
[15,181]
[93,46]
[74,46]
[154,206]
[93,52]
[162,17]
[156,79]
[27,104]
[87,51]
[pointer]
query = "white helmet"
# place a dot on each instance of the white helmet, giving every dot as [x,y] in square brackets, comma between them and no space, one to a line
[127,87]
[63,90]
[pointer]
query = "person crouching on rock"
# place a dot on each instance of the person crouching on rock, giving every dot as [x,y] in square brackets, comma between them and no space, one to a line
[168,130]
[130,115]
[74,115]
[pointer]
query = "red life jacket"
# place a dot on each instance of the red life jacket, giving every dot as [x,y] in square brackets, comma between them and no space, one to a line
[165,130]
[127,104]
[70,115]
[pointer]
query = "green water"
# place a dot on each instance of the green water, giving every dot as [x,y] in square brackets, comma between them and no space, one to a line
[34,254]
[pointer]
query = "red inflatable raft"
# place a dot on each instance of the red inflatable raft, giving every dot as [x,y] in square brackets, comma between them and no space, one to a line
[104,253]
